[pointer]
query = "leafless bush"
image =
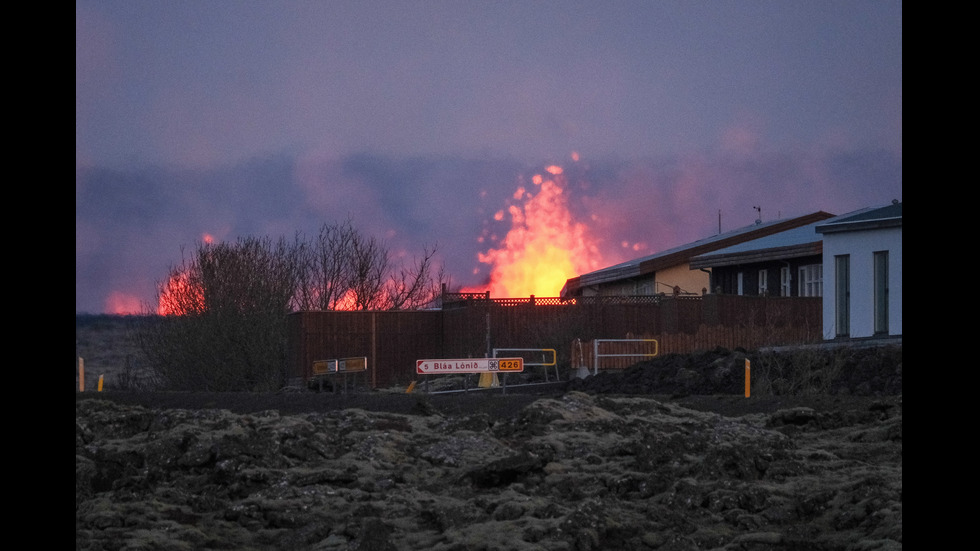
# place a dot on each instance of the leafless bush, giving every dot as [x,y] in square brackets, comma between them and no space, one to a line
[341,269]
[224,323]
[225,327]
[325,270]
[132,378]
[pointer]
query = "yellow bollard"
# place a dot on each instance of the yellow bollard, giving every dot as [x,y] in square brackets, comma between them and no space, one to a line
[411,387]
[747,377]
[100,383]
[81,375]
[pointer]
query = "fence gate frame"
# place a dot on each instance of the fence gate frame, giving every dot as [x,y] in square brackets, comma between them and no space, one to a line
[553,362]
[596,355]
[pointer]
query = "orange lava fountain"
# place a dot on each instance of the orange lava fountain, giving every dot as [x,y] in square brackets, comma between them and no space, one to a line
[544,247]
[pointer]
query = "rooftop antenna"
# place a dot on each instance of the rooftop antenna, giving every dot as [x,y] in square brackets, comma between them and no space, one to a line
[719,220]
[759,219]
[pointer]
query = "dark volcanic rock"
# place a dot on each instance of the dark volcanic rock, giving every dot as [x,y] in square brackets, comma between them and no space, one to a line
[573,472]
[869,371]
[666,468]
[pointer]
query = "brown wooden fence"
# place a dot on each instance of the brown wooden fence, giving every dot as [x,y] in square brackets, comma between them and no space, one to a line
[390,340]
[393,340]
[705,338]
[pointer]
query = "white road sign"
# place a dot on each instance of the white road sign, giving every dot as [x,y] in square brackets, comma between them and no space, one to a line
[470,365]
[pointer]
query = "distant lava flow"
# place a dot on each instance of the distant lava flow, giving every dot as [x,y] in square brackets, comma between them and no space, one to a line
[121,303]
[545,245]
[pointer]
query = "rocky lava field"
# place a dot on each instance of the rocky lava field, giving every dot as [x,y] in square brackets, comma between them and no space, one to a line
[666,455]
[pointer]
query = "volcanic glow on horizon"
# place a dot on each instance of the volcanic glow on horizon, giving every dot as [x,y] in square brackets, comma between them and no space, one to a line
[543,248]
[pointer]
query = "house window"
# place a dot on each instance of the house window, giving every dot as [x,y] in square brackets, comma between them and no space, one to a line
[785,288]
[763,283]
[740,284]
[811,280]
[881,292]
[842,289]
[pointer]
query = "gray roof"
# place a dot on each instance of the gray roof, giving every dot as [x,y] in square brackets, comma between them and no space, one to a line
[631,268]
[873,218]
[796,236]
[792,243]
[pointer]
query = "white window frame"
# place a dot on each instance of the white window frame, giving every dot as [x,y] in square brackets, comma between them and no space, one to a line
[811,280]
[785,282]
[763,282]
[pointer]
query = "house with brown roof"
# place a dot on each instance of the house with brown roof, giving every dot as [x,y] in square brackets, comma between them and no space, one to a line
[670,271]
[853,261]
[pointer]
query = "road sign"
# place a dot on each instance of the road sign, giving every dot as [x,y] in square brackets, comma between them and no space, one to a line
[343,365]
[349,365]
[322,367]
[470,365]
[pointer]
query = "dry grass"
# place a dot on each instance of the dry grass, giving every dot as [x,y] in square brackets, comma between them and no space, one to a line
[804,372]
[108,347]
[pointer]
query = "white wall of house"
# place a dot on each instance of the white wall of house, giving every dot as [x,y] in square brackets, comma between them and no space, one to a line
[860,246]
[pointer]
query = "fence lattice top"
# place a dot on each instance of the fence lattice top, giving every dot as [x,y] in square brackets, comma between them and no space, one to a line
[452,299]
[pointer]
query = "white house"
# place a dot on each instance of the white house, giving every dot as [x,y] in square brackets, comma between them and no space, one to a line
[862,273]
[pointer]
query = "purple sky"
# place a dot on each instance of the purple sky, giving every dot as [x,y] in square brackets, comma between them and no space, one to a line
[419,119]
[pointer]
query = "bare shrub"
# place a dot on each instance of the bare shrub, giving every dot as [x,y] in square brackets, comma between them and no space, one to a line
[803,372]
[132,378]
[224,309]
[226,322]
[341,269]
[325,271]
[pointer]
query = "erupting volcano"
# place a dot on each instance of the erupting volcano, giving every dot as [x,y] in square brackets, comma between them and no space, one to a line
[545,244]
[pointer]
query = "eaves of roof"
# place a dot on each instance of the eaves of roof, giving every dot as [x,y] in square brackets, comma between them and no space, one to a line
[616,273]
[757,255]
[889,216]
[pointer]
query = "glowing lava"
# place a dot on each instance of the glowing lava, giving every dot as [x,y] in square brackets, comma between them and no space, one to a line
[180,297]
[544,247]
